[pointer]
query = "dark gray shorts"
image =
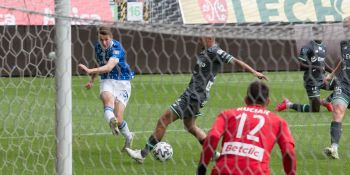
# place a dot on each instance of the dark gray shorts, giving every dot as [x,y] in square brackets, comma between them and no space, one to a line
[185,107]
[314,91]
[341,95]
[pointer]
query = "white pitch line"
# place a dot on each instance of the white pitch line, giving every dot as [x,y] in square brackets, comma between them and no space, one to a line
[153,82]
[86,134]
[141,132]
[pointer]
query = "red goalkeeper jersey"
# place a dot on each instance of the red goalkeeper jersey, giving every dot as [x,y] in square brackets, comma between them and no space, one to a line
[248,136]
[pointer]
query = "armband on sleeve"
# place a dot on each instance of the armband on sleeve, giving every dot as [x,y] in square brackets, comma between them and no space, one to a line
[303,56]
[224,56]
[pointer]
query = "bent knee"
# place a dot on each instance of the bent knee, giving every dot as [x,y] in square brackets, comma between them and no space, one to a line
[338,112]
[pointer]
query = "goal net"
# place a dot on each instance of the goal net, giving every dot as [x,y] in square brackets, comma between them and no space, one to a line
[161,40]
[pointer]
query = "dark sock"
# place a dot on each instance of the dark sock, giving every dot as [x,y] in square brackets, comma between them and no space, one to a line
[201,141]
[300,107]
[152,141]
[335,132]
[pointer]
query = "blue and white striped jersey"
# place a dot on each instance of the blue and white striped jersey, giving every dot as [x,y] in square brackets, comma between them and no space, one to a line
[122,70]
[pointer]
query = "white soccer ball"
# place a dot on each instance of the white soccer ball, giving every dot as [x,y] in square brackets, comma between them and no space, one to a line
[162,151]
[52,55]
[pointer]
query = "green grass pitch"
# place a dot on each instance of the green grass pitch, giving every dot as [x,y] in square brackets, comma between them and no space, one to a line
[27,125]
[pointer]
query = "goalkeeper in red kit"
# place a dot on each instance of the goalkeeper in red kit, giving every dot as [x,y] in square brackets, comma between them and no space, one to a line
[248,136]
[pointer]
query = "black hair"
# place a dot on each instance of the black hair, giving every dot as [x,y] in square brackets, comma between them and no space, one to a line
[257,93]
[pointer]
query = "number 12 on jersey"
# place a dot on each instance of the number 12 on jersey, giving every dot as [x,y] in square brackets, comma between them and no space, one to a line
[251,135]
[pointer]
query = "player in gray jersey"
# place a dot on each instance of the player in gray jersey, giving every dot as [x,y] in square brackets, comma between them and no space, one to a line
[187,106]
[312,62]
[341,94]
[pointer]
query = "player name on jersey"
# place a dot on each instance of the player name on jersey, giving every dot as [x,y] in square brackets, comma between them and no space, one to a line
[254,110]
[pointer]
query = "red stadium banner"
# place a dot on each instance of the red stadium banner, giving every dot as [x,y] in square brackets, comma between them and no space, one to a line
[17,12]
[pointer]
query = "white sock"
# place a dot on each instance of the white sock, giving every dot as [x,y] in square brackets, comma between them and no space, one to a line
[335,146]
[109,113]
[124,129]
[289,104]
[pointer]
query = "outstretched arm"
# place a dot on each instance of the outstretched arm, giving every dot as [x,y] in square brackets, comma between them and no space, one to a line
[98,70]
[228,58]
[248,68]
[91,81]
[94,71]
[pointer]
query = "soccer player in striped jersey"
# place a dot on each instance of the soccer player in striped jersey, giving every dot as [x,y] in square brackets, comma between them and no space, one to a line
[187,106]
[341,98]
[115,88]
[248,135]
[312,61]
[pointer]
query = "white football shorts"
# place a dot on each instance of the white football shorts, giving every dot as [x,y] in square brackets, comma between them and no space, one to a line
[121,89]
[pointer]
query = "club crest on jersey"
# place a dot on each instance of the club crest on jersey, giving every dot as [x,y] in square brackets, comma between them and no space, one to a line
[320,49]
[116,52]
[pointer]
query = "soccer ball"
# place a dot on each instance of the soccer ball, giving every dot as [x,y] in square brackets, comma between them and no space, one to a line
[162,151]
[52,55]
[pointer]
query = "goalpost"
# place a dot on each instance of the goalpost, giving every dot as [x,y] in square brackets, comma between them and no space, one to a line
[63,77]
